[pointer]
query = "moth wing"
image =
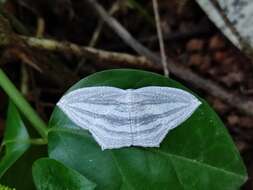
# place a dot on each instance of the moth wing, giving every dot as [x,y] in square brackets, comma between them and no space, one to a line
[86,106]
[102,111]
[170,109]
[119,118]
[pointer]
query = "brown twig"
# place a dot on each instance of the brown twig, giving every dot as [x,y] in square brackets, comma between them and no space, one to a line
[122,32]
[207,85]
[239,102]
[242,103]
[96,34]
[114,8]
[24,80]
[40,27]
[18,46]
[101,55]
[160,38]
[197,32]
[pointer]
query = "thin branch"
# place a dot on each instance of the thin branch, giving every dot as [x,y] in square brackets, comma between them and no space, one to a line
[239,102]
[114,8]
[242,103]
[24,80]
[101,55]
[40,27]
[96,34]
[122,32]
[160,38]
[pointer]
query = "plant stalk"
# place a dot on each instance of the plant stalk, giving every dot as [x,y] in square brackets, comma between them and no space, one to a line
[22,104]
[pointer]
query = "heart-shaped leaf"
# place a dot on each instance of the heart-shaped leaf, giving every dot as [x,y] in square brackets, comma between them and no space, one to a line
[50,174]
[199,154]
[16,139]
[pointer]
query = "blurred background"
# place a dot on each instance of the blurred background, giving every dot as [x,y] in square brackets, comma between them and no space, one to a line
[199,55]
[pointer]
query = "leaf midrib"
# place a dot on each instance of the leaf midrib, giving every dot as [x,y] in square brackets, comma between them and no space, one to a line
[166,154]
[169,155]
[120,170]
[199,163]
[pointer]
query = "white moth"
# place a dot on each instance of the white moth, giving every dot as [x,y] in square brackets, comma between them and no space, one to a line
[120,118]
[233,17]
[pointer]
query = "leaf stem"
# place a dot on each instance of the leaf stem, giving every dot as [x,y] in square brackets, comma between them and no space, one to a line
[24,107]
[38,141]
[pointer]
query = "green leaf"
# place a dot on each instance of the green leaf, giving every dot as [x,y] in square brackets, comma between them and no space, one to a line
[197,155]
[19,175]
[49,174]
[16,139]
[2,187]
[17,154]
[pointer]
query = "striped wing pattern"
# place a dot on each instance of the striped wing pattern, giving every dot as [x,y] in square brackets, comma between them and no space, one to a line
[134,117]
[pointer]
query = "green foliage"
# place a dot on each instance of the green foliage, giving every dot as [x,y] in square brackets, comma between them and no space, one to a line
[2,187]
[197,155]
[19,174]
[17,98]
[16,139]
[17,152]
[46,176]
